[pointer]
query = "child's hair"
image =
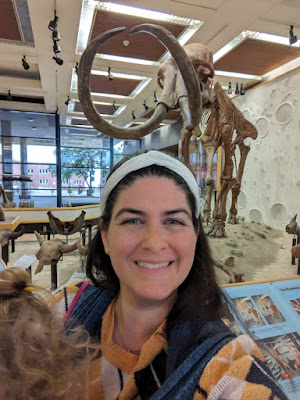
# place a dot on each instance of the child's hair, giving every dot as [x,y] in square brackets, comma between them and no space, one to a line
[38,361]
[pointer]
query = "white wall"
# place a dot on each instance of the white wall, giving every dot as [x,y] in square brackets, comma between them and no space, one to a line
[270,190]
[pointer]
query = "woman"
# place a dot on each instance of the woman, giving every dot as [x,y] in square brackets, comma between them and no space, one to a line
[37,360]
[154,305]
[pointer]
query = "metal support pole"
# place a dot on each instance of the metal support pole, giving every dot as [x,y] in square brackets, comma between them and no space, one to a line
[53,274]
[293,244]
[58,160]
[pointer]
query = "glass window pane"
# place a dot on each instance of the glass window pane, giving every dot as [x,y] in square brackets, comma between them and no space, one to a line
[80,137]
[27,124]
[126,146]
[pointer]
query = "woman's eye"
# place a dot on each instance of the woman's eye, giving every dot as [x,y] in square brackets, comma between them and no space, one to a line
[132,221]
[174,222]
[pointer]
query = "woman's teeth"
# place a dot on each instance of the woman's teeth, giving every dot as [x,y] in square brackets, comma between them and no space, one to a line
[153,266]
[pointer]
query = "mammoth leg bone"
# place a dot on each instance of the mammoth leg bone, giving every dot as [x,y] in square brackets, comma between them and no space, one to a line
[244,150]
[227,182]
[209,183]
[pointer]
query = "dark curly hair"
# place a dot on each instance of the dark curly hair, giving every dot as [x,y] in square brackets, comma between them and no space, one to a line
[199,296]
[38,361]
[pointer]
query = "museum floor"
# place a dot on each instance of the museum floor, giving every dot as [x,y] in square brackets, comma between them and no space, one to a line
[261,253]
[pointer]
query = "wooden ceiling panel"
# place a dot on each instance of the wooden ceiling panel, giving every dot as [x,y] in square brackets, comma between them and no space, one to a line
[172,114]
[257,57]
[141,45]
[100,84]
[101,108]
[9,29]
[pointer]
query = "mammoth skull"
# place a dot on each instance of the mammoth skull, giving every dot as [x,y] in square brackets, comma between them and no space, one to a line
[180,62]
[170,79]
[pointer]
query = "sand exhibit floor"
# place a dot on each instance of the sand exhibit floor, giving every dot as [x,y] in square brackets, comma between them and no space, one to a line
[260,253]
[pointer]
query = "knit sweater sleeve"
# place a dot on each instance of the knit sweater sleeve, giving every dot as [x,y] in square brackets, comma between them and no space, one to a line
[238,371]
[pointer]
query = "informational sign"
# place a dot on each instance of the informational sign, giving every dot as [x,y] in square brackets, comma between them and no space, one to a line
[2,265]
[270,313]
[25,261]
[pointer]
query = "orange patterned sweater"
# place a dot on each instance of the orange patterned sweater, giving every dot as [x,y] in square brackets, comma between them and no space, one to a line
[236,372]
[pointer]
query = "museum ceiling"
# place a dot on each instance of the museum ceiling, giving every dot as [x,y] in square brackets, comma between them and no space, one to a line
[249,40]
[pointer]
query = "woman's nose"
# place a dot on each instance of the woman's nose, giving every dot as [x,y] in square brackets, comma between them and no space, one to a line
[154,238]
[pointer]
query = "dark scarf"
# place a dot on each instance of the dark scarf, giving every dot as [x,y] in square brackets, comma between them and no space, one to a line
[191,345]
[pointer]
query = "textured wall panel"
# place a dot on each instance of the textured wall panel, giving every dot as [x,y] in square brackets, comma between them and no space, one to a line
[271,180]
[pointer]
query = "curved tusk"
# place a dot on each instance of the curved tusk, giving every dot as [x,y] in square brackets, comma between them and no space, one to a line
[84,95]
[186,68]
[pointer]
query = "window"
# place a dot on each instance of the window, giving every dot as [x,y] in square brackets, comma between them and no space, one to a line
[44,181]
[77,182]
[30,171]
[44,171]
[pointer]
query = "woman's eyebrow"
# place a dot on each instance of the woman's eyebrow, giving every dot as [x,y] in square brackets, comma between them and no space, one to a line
[176,211]
[129,210]
[139,212]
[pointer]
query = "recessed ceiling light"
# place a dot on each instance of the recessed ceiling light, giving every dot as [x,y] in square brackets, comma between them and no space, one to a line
[90,6]
[34,128]
[30,120]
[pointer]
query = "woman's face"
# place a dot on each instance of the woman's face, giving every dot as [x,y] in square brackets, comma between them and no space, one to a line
[151,239]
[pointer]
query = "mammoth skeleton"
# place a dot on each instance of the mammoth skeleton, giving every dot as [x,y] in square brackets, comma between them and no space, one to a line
[185,79]
[224,119]
[189,89]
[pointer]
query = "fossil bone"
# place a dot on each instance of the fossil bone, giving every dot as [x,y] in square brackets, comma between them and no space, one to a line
[52,250]
[233,277]
[7,234]
[66,228]
[6,203]
[293,228]
[224,119]
[187,71]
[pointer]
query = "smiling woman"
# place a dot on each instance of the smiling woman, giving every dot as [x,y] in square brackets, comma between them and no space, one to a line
[154,304]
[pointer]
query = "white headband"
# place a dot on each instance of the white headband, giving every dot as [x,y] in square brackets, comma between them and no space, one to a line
[145,160]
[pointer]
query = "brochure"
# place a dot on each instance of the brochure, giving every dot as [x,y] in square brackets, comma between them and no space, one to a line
[270,313]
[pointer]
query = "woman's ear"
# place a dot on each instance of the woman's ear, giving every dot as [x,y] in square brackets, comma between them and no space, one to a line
[103,233]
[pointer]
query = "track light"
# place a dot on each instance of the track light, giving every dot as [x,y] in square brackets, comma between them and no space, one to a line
[56,36]
[9,96]
[114,106]
[56,48]
[155,99]
[58,60]
[53,24]
[25,63]
[109,75]
[236,89]
[67,101]
[293,38]
[229,91]
[145,105]
[76,68]
[242,91]
[132,114]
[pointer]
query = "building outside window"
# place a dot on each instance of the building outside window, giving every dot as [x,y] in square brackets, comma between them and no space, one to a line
[28,148]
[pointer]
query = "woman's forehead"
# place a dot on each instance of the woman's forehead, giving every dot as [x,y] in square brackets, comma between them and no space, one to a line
[152,187]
